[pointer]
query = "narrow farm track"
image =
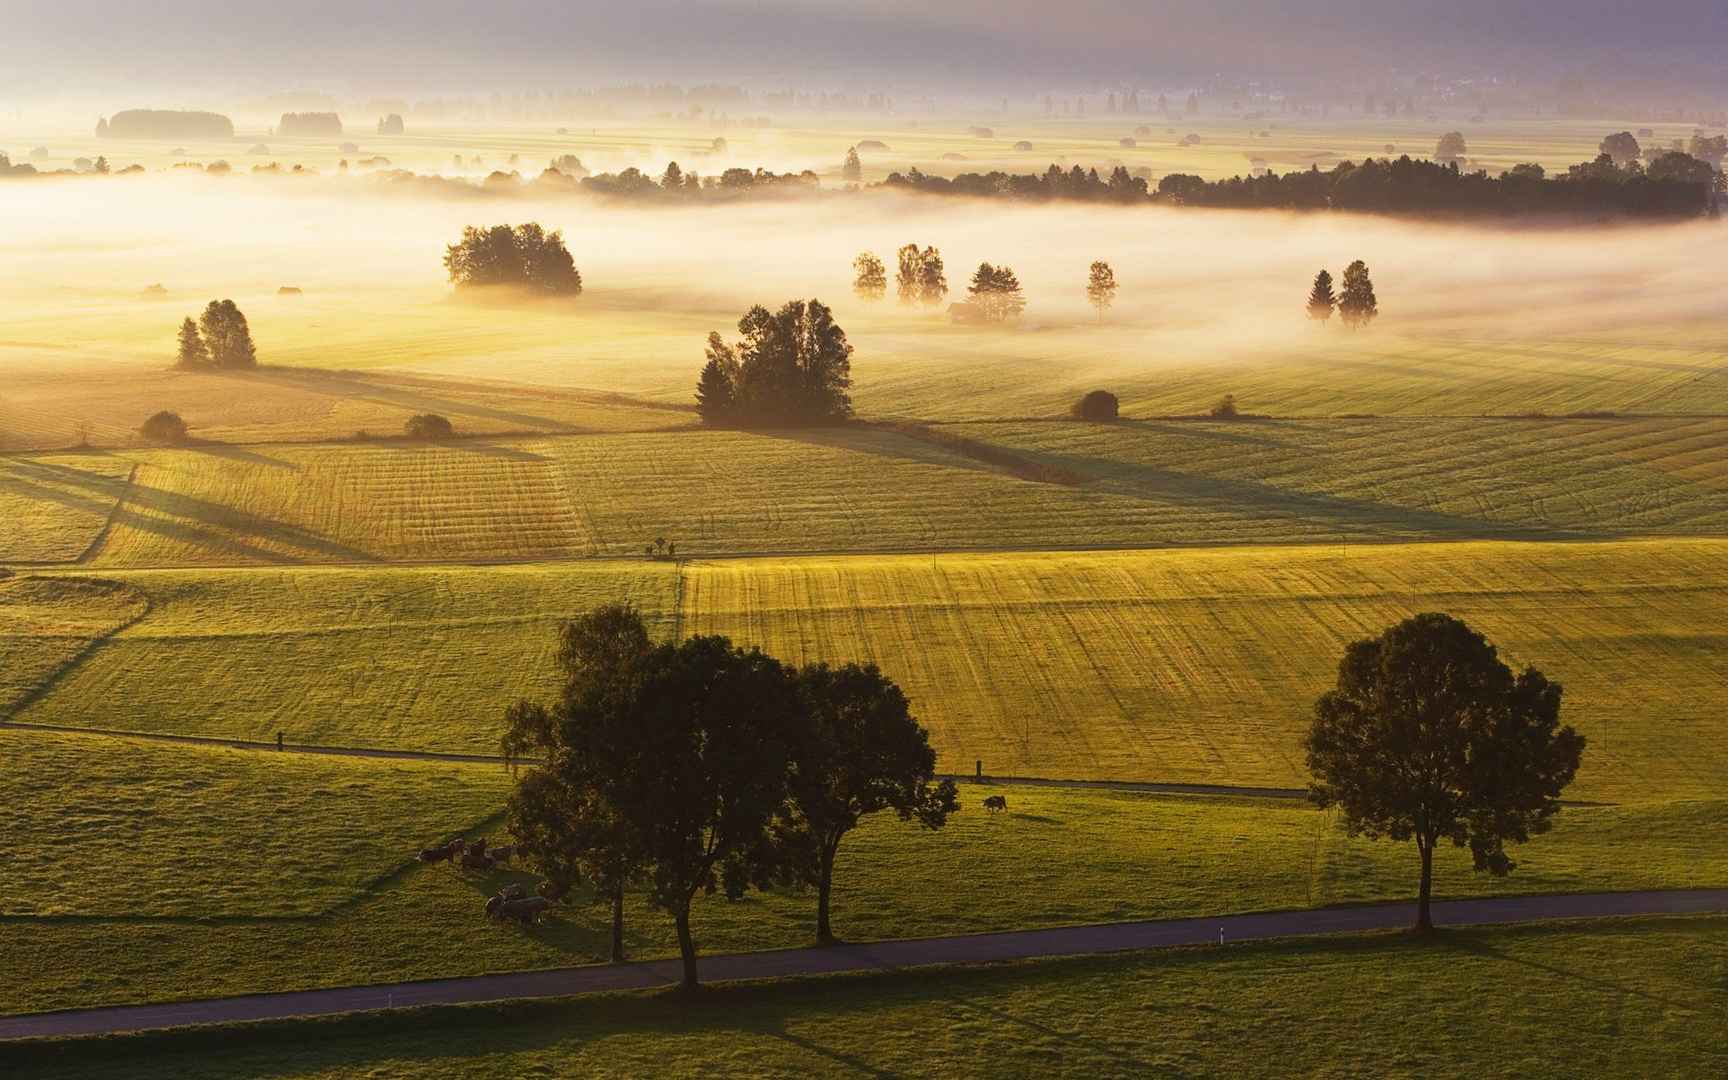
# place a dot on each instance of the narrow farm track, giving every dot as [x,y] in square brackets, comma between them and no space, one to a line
[492,759]
[877,956]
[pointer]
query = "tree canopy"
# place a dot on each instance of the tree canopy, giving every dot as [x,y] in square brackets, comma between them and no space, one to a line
[790,368]
[1429,735]
[995,292]
[1357,304]
[222,339]
[526,256]
[1321,301]
[920,276]
[1101,287]
[870,277]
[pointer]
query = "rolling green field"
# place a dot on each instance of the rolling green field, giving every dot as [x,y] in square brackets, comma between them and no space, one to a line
[1614,999]
[210,871]
[1131,484]
[1194,665]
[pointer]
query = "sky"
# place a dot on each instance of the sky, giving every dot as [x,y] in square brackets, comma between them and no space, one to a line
[424,46]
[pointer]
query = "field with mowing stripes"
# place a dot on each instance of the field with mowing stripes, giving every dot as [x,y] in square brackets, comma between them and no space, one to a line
[1132,484]
[47,624]
[207,871]
[1187,665]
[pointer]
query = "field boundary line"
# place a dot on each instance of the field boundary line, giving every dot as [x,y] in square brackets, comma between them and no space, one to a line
[891,955]
[53,678]
[100,540]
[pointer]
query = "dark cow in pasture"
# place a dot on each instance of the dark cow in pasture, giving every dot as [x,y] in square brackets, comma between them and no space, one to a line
[526,911]
[442,853]
[996,803]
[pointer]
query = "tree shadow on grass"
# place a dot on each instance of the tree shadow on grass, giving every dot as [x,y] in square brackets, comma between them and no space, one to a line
[1474,945]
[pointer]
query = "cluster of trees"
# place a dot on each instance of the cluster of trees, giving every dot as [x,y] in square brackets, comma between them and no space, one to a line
[995,294]
[526,257]
[700,767]
[920,276]
[790,368]
[1076,183]
[674,183]
[309,123]
[392,125]
[165,124]
[219,339]
[1357,306]
[1674,185]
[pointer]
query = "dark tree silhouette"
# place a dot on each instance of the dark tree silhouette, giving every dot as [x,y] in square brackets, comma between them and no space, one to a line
[164,427]
[1357,304]
[870,279]
[559,812]
[791,368]
[192,353]
[526,256]
[1101,287]
[995,292]
[692,749]
[166,124]
[1097,405]
[1225,409]
[429,426]
[227,336]
[1451,148]
[1321,301]
[1428,735]
[673,178]
[1623,148]
[858,751]
[853,169]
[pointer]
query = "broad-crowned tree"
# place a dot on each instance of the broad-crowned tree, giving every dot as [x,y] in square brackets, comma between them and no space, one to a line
[1357,304]
[1429,735]
[859,751]
[870,277]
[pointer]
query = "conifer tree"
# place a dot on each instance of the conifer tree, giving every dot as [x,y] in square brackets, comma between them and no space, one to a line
[996,293]
[717,389]
[193,353]
[1321,300]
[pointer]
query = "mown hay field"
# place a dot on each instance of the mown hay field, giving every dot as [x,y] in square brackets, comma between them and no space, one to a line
[1638,998]
[866,489]
[47,624]
[208,871]
[409,658]
[1183,665]
[1202,665]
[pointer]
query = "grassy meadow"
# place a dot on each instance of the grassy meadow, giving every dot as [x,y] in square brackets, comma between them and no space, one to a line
[1637,998]
[290,871]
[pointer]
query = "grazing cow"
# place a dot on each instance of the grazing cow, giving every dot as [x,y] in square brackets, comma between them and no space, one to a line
[996,803]
[503,853]
[525,911]
[473,861]
[477,846]
[515,891]
[442,853]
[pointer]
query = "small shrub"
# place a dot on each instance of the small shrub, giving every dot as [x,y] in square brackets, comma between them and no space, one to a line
[1097,405]
[164,427]
[1226,408]
[429,426]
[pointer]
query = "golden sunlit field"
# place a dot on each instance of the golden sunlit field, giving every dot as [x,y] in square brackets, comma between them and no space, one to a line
[1533,436]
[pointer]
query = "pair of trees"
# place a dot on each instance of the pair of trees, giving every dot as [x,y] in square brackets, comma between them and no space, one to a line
[995,293]
[1429,736]
[526,256]
[1357,306]
[790,368]
[220,338]
[698,767]
[920,277]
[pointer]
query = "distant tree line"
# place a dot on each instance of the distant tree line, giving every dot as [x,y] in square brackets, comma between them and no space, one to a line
[309,123]
[220,339]
[1076,183]
[165,124]
[526,256]
[790,368]
[673,184]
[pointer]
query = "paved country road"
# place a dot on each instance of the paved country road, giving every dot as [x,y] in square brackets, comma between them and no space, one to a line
[876,956]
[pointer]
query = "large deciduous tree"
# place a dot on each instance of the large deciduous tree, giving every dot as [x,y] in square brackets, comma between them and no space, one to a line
[1623,147]
[227,336]
[1357,304]
[526,256]
[858,751]
[920,276]
[1451,148]
[870,277]
[559,812]
[1429,735]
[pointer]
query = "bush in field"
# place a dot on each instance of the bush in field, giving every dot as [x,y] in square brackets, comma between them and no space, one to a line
[1226,408]
[164,427]
[430,427]
[792,368]
[526,256]
[1097,405]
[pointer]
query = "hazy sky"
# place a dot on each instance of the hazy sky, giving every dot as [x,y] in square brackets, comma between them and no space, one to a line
[425,45]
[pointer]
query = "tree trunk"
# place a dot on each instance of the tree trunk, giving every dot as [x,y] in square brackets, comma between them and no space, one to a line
[687,948]
[1424,916]
[618,925]
[824,890]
